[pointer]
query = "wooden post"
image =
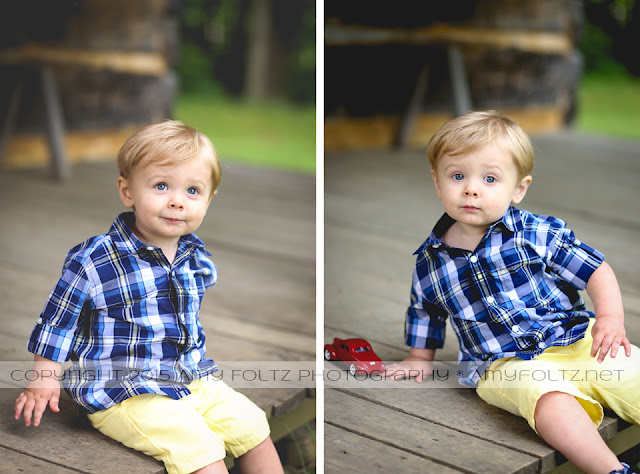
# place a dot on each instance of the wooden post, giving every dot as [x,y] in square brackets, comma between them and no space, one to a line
[10,117]
[413,109]
[459,82]
[54,123]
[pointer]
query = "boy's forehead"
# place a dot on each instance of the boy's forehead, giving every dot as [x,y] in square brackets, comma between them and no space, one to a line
[492,153]
[166,164]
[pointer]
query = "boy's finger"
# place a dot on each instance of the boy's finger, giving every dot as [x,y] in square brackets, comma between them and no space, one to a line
[41,406]
[28,410]
[20,401]
[597,342]
[627,347]
[594,348]
[613,352]
[53,404]
[604,350]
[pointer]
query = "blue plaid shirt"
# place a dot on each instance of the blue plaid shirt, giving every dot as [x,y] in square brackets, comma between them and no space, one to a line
[515,295]
[126,318]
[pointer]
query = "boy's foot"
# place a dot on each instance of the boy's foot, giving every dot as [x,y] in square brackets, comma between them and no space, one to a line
[625,470]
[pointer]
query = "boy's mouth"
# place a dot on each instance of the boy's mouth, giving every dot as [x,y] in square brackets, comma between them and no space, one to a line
[172,220]
[470,208]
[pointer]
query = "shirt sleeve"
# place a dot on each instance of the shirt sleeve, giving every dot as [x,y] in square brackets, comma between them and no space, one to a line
[206,269]
[425,322]
[572,260]
[54,333]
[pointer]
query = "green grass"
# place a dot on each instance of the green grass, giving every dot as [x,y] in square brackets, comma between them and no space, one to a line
[609,105]
[272,134]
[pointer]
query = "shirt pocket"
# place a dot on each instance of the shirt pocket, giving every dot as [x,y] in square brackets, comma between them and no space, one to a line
[516,270]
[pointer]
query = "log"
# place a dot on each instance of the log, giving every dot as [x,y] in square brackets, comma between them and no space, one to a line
[128,62]
[540,42]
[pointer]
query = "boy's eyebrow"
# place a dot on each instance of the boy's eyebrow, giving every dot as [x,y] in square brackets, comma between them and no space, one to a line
[168,176]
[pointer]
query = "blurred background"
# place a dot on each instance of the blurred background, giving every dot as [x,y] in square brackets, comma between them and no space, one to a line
[243,71]
[394,75]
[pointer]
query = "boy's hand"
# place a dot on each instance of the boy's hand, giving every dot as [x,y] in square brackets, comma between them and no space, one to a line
[34,400]
[608,335]
[410,367]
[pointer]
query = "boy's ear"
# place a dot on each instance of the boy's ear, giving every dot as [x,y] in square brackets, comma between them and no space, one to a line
[521,189]
[209,201]
[125,192]
[435,182]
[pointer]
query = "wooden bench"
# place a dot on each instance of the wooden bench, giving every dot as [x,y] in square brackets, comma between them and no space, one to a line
[41,60]
[277,262]
[379,207]
[412,126]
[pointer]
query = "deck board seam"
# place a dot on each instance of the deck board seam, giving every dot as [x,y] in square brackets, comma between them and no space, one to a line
[248,250]
[395,446]
[48,461]
[413,415]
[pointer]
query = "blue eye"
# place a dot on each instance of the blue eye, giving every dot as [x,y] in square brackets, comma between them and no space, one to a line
[458,177]
[161,187]
[192,191]
[490,179]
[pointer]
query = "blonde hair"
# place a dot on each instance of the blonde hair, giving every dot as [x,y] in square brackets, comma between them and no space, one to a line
[167,142]
[475,130]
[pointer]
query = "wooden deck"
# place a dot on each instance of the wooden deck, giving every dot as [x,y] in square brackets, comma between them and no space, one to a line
[379,207]
[261,231]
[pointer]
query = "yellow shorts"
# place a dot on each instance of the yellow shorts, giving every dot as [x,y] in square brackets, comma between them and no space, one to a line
[189,433]
[516,385]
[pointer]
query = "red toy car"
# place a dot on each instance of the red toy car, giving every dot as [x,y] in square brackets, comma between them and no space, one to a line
[356,353]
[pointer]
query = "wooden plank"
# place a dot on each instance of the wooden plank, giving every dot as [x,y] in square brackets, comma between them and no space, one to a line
[540,42]
[349,452]
[462,410]
[127,62]
[379,132]
[60,439]
[410,432]
[13,461]
[286,231]
[28,150]
[291,340]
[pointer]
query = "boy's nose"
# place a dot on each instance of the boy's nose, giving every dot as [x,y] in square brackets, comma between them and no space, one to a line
[175,203]
[470,190]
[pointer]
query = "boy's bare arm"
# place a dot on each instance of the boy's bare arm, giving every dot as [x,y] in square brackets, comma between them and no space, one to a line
[608,331]
[43,391]
[418,365]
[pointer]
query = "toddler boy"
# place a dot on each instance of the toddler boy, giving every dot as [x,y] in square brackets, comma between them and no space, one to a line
[509,282]
[125,312]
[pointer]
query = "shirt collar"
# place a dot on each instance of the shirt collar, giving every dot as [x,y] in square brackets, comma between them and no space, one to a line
[127,242]
[510,221]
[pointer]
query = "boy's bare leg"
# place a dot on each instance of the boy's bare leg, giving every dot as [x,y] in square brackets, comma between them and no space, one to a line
[261,459]
[565,425]
[217,467]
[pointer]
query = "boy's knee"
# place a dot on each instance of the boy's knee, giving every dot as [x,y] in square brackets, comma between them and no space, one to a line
[552,401]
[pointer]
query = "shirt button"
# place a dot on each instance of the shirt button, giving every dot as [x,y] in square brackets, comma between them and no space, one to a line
[473,259]
[436,246]
[515,329]
[577,242]
[149,248]
[39,321]
[491,300]
[542,345]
